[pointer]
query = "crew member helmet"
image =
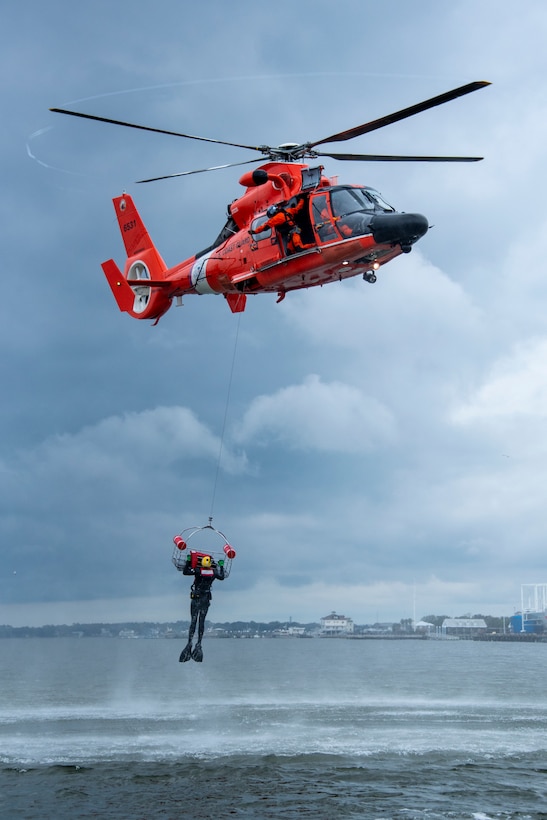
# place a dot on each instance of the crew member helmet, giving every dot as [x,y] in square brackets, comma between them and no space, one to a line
[272,210]
[206,561]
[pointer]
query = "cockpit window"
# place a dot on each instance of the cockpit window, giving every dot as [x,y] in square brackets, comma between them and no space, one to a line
[344,201]
[349,200]
[354,209]
[379,200]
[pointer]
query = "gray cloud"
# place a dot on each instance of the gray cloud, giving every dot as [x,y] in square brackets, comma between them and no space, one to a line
[396,429]
[331,417]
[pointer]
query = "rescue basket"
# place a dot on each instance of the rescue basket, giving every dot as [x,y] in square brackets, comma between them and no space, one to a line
[195,543]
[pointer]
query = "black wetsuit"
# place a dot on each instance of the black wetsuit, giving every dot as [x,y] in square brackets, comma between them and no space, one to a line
[200,595]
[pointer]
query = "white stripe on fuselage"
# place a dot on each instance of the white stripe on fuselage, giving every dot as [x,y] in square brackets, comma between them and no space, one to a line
[199,275]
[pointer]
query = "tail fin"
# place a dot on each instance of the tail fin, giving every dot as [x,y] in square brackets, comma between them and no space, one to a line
[134,234]
[149,299]
[123,293]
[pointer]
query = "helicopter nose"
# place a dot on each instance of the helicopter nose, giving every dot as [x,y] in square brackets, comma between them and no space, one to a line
[399,229]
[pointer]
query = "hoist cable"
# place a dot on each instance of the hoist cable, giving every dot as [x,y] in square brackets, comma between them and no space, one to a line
[225,417]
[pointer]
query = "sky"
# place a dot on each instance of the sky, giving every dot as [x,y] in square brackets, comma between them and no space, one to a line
[375,450]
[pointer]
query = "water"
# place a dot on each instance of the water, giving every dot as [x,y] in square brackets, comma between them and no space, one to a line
[322,729]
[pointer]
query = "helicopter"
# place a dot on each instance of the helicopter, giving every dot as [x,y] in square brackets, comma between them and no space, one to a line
[292,228]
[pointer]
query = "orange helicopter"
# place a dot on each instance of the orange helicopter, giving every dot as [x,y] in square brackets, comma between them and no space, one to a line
[292,228]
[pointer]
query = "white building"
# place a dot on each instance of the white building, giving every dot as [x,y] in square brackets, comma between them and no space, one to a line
[424,627]
[464,627]
[334,624]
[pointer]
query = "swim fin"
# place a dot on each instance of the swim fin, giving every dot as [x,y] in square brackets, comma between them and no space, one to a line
[197,654]
[186,653]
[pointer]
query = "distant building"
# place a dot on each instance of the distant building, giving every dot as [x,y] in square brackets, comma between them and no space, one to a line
[296,631]
[334,624]
[532,617]
[424,627]
[533,622]
[464,627]
[290,632]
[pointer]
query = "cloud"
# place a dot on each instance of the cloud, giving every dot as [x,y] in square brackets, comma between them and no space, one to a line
[514,390]
[75,508]
[332,418]
[398,426]
[408,340]
[117,451]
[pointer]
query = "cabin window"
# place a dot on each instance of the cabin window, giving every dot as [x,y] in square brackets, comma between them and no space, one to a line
[255,225]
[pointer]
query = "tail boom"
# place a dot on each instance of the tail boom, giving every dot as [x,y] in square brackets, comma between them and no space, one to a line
[146,286]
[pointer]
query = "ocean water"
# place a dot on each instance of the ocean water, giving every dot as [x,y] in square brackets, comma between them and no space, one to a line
[280,728]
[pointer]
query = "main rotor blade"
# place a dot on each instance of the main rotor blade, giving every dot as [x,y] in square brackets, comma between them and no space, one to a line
[155,130]
[395,158]
[201,170]
[373,125]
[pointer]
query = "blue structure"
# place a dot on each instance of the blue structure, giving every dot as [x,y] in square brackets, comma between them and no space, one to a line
[534,623]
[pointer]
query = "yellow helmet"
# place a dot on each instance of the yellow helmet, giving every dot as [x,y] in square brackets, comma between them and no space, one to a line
[206,561]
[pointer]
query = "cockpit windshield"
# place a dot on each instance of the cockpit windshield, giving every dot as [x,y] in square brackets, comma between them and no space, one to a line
[347,201]
[351,212]
[379,200]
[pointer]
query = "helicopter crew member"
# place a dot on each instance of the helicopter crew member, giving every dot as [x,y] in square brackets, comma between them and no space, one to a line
[205,572]
[282,218]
